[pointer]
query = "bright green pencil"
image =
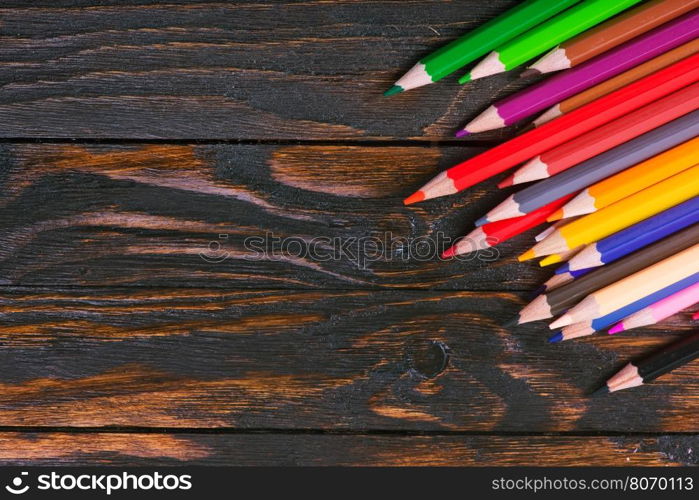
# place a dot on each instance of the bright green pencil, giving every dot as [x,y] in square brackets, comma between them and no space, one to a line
[549,34]
[478,42]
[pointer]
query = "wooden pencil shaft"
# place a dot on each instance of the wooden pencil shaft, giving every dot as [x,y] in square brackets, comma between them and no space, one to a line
[624,27]
[487,37]
[571,22]
[628,77]
[569,294]
[669,357]
[652,278]
[622,129]
[552,134]
[626,212]
[608,163]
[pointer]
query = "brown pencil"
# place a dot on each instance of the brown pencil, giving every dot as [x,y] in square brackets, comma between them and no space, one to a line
[556,301]
[619,81]
[611,33]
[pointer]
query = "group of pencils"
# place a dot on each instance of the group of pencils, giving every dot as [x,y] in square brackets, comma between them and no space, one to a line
[615,151]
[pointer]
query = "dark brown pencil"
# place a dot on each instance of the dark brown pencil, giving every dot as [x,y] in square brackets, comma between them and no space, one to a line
[657,364]
[560,299]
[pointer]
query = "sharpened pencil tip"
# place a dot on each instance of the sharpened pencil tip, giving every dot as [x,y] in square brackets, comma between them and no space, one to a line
[416,197]
[529,72]
[556,338]
[396,89]
[563,269]
[534,294]
[461,133]
[507,182]
[557,215]
[465,79]
[528,255]
[449,252]
[482,221]
[511,322]
[600,392]
[550,259]
[619,327]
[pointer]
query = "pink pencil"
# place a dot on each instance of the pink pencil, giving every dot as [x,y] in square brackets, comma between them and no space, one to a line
[696,315]
[662,309]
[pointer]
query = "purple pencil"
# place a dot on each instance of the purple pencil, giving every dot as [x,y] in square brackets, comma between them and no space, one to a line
[572,81]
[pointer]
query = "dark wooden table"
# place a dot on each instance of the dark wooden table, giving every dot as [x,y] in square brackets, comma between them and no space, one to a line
[138,135]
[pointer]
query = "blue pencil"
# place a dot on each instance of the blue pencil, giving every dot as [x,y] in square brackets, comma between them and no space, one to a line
[590,327]
[639,235]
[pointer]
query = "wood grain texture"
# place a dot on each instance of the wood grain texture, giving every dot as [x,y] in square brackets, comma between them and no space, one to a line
[180,215]
[121,449]
[336,360]
[233,70]
[137,327]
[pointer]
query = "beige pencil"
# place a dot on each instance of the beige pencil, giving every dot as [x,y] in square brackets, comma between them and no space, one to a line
[633,288]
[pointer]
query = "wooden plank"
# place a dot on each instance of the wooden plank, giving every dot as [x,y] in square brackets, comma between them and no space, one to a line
[290,216]
[154,449]
[336,360]
[234,70]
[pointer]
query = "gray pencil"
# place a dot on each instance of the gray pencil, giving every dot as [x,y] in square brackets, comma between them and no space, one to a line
[597,168]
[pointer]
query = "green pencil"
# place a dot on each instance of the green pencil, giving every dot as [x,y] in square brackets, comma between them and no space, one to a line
[478,42]
[549,34]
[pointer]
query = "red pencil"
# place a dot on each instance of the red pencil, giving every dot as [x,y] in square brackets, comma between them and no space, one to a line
[609,135]
[489,235]
[696,315]
[560,130]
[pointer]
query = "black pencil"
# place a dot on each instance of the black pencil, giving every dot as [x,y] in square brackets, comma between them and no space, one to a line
[657,364]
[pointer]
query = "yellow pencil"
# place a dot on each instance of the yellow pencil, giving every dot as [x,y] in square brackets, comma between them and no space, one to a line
[632,180]
[617,216]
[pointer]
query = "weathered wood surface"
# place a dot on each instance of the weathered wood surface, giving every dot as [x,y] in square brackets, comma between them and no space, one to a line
[309,450]
[336,360]
[77,214]
[233,70]
[136,133]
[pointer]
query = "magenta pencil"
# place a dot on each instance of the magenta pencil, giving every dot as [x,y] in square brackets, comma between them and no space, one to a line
[570,82]
[662,309]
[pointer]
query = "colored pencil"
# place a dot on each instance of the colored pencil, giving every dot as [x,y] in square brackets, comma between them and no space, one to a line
[619,81]
[546,35]
[479,42]
[660,310]
[589,327]
[555,302]
[611,33]
[550,135]
[620,215]
[695,316]
[609,135]
[630,289]
[659,363]
[597,168]
[633,238]
[558,280]
[490,235]
[559,223]
[559,257]
[538,97]
[630,181]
